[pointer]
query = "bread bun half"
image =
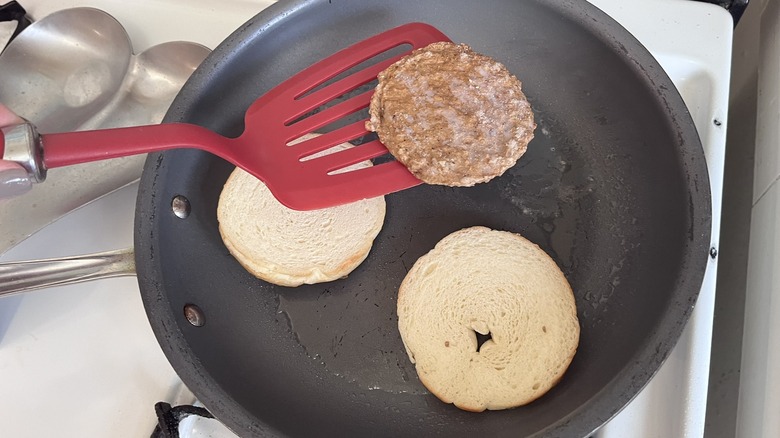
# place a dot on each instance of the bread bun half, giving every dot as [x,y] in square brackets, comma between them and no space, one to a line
[289,247]
[495,283]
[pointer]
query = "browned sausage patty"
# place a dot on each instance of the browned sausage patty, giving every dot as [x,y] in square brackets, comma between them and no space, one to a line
[452,116]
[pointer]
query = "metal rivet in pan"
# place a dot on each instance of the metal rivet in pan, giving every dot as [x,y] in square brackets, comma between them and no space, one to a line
[194,315]
[717,122]
[713,252]
[180,206]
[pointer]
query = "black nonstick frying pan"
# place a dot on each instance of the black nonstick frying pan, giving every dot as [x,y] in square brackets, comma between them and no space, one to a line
[614,187]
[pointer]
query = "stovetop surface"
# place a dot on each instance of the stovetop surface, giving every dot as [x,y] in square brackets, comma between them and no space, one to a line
[84,355]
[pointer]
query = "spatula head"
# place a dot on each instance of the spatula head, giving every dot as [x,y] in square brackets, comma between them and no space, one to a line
[328,98]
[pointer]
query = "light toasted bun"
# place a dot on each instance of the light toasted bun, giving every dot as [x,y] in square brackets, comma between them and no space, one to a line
[289,247]
[496,282]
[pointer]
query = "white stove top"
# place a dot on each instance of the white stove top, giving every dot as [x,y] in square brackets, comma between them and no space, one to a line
[81,360]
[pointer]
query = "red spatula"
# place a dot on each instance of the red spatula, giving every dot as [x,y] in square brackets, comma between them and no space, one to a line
[272,122]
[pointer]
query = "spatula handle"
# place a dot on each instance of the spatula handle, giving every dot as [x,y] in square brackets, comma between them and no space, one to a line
[70,148]
[20,143]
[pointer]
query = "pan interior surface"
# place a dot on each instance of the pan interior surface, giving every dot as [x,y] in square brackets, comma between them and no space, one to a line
[614,187]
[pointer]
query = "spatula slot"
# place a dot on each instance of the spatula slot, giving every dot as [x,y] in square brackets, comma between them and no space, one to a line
[376,160]
[390,55]
[336,162]
[355,133]
[359,97]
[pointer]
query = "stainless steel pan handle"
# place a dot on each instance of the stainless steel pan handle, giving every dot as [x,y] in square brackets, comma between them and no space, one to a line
[17,277]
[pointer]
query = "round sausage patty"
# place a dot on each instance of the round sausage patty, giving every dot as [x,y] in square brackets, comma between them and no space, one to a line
[452,116]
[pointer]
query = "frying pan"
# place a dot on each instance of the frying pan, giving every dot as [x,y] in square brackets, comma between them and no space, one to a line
[614,187]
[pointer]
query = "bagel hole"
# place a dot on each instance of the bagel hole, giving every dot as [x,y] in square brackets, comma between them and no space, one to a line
[481,339]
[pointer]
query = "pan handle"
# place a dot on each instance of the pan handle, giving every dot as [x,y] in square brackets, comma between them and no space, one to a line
[17,277]
[13,11]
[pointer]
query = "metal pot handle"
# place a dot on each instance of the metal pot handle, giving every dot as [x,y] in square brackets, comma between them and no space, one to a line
[17,277]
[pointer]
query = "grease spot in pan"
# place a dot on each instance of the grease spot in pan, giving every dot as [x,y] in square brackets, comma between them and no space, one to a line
[339,328]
